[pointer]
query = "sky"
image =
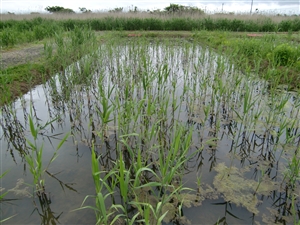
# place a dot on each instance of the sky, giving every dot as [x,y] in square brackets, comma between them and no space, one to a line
[268,6]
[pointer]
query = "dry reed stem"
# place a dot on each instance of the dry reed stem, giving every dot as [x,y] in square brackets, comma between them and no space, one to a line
[143,15]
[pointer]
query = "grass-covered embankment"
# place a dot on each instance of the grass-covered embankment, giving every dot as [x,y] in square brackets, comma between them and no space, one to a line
[272,56]
[28,28]
[58,53]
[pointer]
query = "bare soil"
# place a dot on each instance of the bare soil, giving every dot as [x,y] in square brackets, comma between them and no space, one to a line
[22,55]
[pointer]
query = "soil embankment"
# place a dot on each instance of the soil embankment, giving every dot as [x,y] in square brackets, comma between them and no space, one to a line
[22,55]
[14,79]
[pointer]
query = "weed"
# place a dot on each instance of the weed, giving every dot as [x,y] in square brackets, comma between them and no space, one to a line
[35,158]
[284,55]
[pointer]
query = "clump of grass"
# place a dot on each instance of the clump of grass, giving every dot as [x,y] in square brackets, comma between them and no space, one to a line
[58,54]
[269,56]
[35,158]
[284,55]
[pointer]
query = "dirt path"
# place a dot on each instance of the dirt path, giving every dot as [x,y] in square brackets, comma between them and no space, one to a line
[21,55]
[24,53]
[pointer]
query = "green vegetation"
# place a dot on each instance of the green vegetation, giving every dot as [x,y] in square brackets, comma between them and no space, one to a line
[14,32]
[59,9]
[151,108]
[84,10]
[34,158]
[19,32]
[60,52]
[274,57]
[175,8]
[116,10]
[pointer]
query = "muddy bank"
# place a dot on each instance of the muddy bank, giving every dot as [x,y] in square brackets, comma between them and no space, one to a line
[21,56]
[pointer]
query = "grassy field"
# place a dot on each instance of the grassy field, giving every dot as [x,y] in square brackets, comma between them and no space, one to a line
[273,54]
[27,28]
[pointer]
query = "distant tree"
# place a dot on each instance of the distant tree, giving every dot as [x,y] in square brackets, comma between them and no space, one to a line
[54,8]
[84,10]
[193,9]
[116,10]
[175,8]
[134,10]
[156,11]
[58,9]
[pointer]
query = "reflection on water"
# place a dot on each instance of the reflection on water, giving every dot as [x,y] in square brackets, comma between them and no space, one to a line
[245,137]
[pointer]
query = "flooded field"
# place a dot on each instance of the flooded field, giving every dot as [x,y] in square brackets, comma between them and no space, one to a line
[148,132]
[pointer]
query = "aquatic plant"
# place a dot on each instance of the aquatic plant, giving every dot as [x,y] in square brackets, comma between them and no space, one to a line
[153,114]
[35,160]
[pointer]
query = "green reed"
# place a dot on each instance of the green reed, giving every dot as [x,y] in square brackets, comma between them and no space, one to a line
[294,212]
[102,214]
[292,173]
[44,26]
[137,100]
[152,107]
[35,159]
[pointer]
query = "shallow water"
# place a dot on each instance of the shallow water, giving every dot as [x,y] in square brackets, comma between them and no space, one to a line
[198,89]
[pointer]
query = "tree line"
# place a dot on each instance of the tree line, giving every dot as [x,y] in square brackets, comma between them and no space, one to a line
[172,8]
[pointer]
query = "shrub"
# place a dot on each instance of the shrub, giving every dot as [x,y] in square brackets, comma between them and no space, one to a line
[296,24]
[267,25]
[154,24]
[69,24]
[97,24]
[284,55]
[179,24]
[22,26]
[222,24]
[208,24]
[285,25]
[40,32]
[237,25]
[8,37]
[249,48]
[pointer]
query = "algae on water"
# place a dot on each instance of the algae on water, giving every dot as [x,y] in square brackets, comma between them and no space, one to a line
[20,190]
[230,182]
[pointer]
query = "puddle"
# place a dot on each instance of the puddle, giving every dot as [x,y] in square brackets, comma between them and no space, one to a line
[244,137]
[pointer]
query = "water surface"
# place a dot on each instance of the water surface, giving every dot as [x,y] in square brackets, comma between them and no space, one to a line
[239,126]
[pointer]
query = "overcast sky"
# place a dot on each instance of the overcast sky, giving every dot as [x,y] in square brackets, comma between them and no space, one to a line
[277,6]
